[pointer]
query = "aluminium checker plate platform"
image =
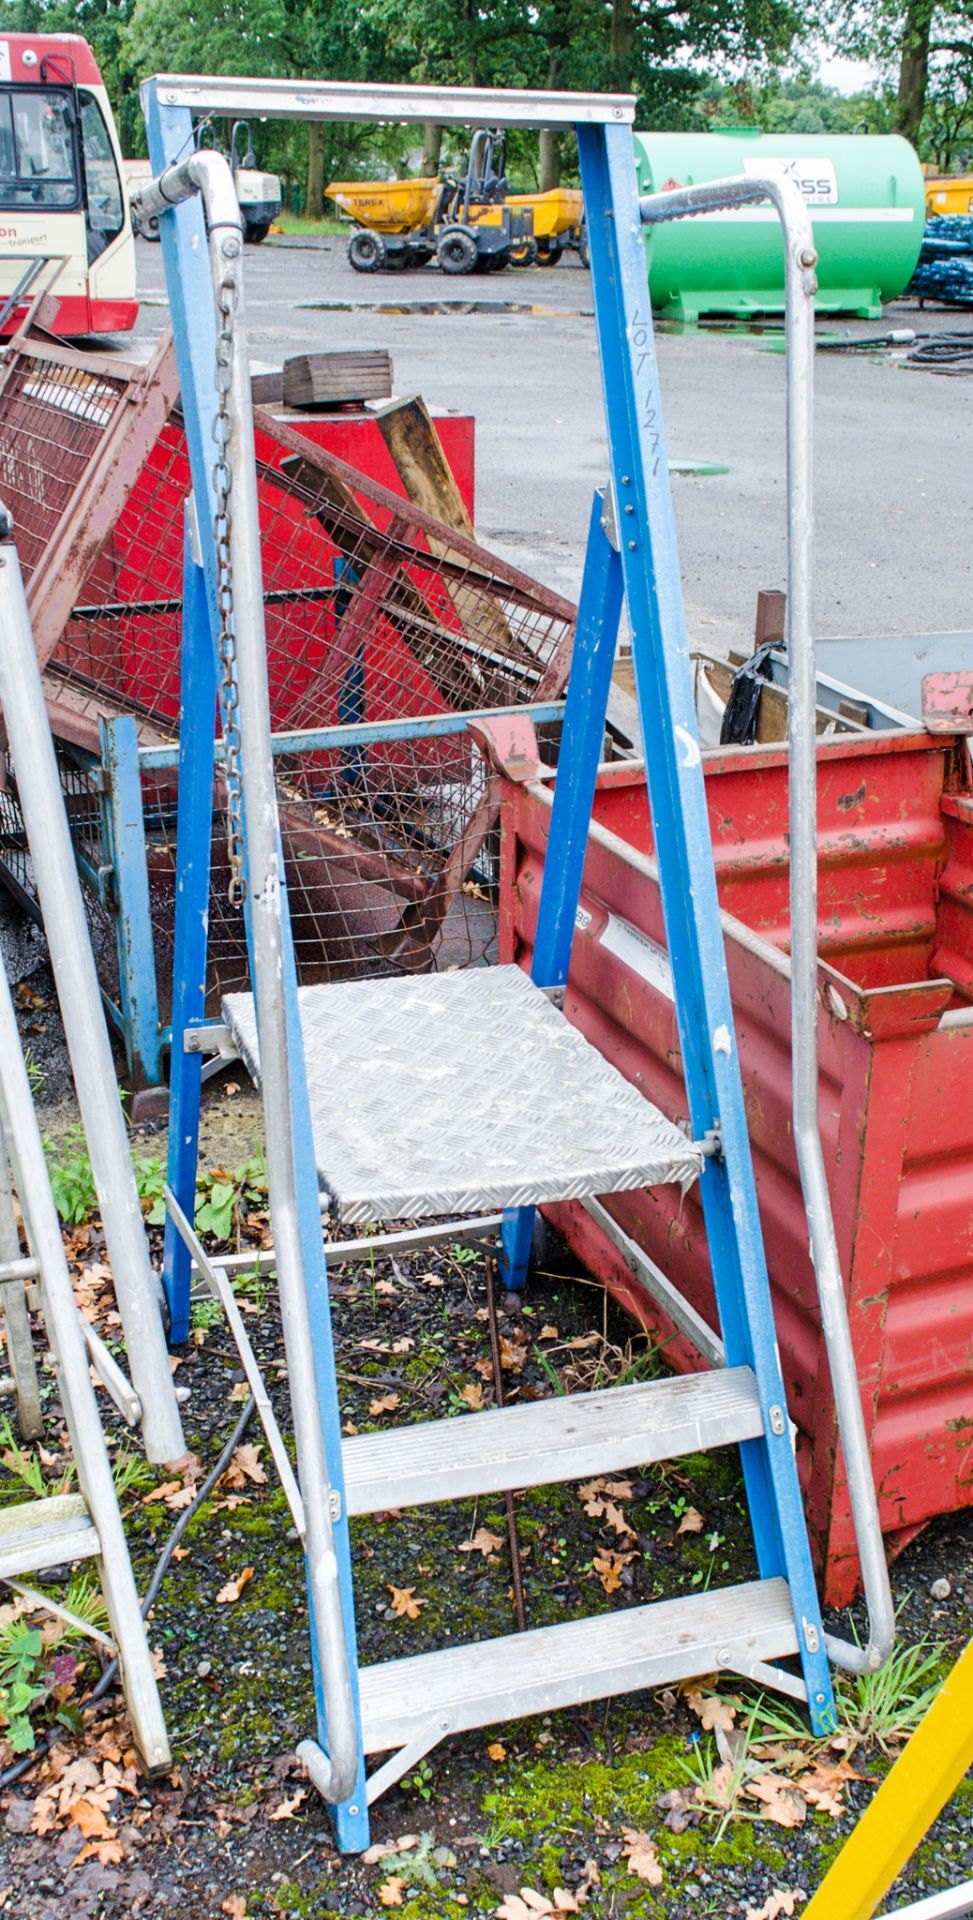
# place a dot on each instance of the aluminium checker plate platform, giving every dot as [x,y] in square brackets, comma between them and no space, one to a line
[464,1092]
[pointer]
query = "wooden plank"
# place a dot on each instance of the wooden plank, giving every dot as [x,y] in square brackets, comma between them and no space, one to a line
[421,464]
[417,451]
[331,379]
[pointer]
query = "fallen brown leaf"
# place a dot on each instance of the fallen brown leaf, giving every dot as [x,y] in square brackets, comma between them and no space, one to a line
[245,1465]
[472,1394]
[109,1852]
[711,1711]
[234,1588]
[384,1403]
[820,1794]
[530,1905]
[781,1803]
[608,1566]
[288,1808]
[782,1901]
[390,1892]
[642,1857]
[483,1541]
[691,1522]
[89,1818]
[235,1907]
[404,1603]
[548,1333]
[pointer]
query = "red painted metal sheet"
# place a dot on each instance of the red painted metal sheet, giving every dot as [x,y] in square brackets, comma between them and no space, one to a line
[896,1053]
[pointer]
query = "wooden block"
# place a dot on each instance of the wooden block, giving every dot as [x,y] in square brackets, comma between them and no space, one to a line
[334,379]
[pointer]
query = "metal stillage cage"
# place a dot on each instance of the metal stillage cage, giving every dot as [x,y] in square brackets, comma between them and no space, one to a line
[386,631]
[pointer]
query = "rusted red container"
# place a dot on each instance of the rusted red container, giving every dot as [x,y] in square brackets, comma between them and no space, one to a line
[895,823]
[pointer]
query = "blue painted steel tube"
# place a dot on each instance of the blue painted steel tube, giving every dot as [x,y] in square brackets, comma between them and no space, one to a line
[423,726]
[582,738]
[292,1171]
[137,985]
[197,724]
[678,800]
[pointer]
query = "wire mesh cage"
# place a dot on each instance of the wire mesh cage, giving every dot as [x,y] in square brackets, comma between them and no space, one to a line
[377,616]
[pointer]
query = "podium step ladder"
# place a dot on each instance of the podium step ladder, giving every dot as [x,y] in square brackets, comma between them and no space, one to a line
[470,1091]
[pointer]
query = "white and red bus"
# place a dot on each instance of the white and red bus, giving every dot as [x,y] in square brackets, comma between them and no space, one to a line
[64,216]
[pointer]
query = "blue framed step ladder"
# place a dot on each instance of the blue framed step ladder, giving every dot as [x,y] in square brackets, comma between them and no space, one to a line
[526,1110]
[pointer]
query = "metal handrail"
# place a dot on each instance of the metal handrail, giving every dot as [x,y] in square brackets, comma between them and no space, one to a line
[800,256]
[208,174]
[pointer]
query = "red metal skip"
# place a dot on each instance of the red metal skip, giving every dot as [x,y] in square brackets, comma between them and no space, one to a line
[895,821]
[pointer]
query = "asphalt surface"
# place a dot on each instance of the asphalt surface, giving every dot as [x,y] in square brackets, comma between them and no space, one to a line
[894,474]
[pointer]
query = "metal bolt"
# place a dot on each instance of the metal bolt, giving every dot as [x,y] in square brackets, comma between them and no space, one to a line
[630,508]
[230,247]
[632,546]
[777,1421]
[352,1810]
[626,482]
[819,1699]
[808,257]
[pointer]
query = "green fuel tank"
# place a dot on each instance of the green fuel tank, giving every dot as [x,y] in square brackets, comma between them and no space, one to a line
[865,194]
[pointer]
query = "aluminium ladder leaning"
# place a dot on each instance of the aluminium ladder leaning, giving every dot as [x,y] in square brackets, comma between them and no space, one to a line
[152,1396]
[39,1534]
[492,1038]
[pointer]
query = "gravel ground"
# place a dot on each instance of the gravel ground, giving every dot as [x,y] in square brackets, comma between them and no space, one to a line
[524,1805]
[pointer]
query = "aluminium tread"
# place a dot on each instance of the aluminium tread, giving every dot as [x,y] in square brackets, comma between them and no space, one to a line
[450,1093]
[36,1534]
[551,1667]
[543,1441]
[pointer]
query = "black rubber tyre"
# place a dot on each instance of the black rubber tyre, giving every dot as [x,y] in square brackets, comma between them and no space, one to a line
[366,251]
[552,257]
[524,254]
[584,254]
[257,232]
[456,252]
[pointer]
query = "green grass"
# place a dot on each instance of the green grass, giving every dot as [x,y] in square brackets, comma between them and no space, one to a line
[302,223]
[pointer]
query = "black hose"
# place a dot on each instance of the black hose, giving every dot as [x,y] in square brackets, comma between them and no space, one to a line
[108,1678]
[947,351]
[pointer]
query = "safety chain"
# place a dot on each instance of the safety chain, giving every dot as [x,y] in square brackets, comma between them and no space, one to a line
[222,484]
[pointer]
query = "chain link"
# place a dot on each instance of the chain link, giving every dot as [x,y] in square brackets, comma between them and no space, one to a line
[222,523]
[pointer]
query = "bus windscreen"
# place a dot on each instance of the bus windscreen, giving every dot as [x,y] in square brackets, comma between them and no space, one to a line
[38,150]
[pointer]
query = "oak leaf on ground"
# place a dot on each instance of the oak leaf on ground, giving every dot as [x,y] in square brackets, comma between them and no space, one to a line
[384,1403]
[782,1901]
[245,1465]
[780,1801]
[712,1711]
[483,1541]
[288,1808]
[404,1603]
[642,1856]
[234,1588]
[608,1566]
